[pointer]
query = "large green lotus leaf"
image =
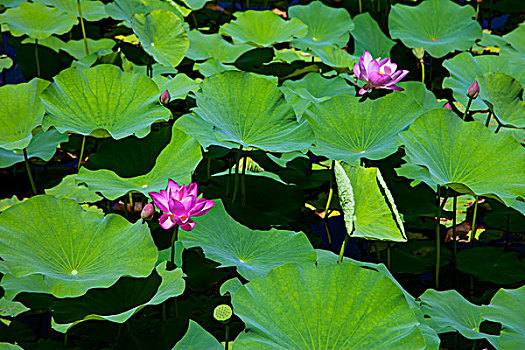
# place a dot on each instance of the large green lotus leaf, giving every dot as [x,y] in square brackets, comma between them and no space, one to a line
[492,264]
[466,156]
[464,68]
[125,9]
[69,257]
[262,28]
[162,35]
[8,202]
[368,36]
[177,161]
[68,188]
[5,62]
[204,46]
[289,309]
[253,252]
[333,56]
[516,38]
[51,42]
[20,112]
[11,308]
[369,215]
[504,95]
[179,86]
[438,26]
[211,67]
[417,256]
[417,90]
[102,101]
[11,3]
[239,108]
[8,346]
[120,302]
[449,311]
[91,10]
[506,307]
[37,20]
[313,88]
[43,145]
[77,49]
[346,129]
[326,25]
[196,338]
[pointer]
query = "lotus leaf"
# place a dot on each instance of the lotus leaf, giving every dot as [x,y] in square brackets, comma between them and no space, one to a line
[506,307]
[313,88]
[368,36]
[239,108]
[7,203]
[102,101]
[449,311]
[438,26]
[179,86]
[45,253]
[253,252]
[492,264]
[91,10]
[11,308]
[204,46]
[37,20]
[211,67]
[68,188]
[162,35]
[157,69]
[176,161]
[515,38]
[51,42]
[95,304]
[43,145]
[230,286]
[196,338]
[5,62]
[466,156]
[504,95]
[286,310]
[346,129]
[326,25]
[367,212]
[20,112]
[195,4]
[262,28]
[417,90]
[126,9]
[335,57]
[464,68]
[11,3]
[76,47]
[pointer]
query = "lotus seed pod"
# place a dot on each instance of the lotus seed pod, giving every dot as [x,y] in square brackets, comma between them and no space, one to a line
[222,312]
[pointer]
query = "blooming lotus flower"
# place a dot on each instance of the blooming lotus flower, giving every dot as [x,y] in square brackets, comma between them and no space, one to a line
[180,204]
[378,74]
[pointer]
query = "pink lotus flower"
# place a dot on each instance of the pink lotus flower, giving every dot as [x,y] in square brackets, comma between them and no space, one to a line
[378,74]
[165,98]
[179,204]
[473,90]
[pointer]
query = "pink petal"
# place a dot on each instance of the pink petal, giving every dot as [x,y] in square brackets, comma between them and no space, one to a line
[373,67]
[207,206]
[172,187]
[190,225]
[383,62]
[357,71]
[166,221]
[364,89]
[362,69]
[367,58]
[377,80]
[394,87]
[177,208]
[160,201]
[397,76]
[191,189]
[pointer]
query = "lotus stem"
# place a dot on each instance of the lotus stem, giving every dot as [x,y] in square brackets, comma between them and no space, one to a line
[388,257]
[226,336]
[131,204]
[360,6]
[83,28]
[327,206]
[422,70]
[174,236]
[81,152]
[477,10]
[342,251]
[454,210]
[468,107]
[474,228]
[488,119]
[36,59]
[208,169]
[438,237]
[194,18]
[236,182]
[243,182]
[29,173]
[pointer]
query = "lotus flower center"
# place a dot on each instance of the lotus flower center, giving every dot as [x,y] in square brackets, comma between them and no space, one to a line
[74,272]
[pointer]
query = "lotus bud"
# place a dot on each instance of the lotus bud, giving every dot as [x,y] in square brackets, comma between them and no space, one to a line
[447,106]
[165,97]
[148,211]
[473,90]
[419,53]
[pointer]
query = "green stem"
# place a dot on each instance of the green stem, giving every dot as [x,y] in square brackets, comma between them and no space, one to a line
[36,59]
[171,265]
[194,18]
[131,204]
[28,168]
[360,6]
[468,107]
[81,152]
[342,251]
[422,70]
[83,28]
[328,202]
[438,238]
[489,116]
[236,182]
[243,182]
[454,234]
[477,12]
[208,169]
[226,336]
[388,257]
[164,313]
[474,228]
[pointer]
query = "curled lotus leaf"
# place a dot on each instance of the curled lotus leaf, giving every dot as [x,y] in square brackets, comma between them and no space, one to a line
[44,253]
[102,101]
[205,46]
[92,10]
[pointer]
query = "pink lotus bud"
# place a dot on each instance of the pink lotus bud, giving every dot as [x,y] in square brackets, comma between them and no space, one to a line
[148,211]
[473,90]
[447,106]
[165,97]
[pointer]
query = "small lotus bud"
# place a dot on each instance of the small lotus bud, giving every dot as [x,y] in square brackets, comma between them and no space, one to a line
[148,211]
[165,97]
[447,106]
[419,52]
[473,90]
